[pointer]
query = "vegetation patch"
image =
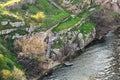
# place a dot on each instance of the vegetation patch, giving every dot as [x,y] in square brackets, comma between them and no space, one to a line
[53,15]
[71,21]
[85,28]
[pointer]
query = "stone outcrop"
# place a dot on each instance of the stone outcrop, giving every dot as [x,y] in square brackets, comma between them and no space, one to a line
[3,23]
[6,31]
[109,4]
[105,22]
[78,7]
[17,24]
[13,24]
[51,49]
[42,46]
[71,42]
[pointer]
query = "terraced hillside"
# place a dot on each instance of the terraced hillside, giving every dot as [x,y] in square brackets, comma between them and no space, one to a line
[29,20]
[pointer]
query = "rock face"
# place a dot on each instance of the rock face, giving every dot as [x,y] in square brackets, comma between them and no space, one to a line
[17,24]
[109,4]
[105,22]
[6,31]
[70,42]
[4,23]
[51,49]
[13,24]
[79,7]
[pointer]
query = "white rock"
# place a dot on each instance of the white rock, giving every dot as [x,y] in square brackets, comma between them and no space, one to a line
[4,23]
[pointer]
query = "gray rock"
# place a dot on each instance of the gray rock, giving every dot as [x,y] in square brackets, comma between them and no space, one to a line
[16,36]
[68,63]
[3,23]
[80,36]
[17,24]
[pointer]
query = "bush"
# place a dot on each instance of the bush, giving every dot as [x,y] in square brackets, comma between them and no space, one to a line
[32,46]
[6,74]
[39,17]
[15,74]
[18,74]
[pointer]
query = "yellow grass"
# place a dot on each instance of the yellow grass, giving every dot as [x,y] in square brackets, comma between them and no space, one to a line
[8,3]
[38,17]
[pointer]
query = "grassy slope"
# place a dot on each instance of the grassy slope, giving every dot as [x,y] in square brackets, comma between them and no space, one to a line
[9,57]
[71,21]
[53,16]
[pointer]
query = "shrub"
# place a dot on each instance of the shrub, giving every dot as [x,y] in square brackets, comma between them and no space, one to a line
[6,74]
[32,46]
[39,17]
[18,74]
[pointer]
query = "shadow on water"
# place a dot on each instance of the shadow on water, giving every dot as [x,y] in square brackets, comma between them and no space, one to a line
[98,62]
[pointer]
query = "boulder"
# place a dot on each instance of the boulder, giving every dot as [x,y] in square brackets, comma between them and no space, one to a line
[3,23]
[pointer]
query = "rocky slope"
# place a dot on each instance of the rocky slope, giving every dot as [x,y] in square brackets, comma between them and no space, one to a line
[67,28]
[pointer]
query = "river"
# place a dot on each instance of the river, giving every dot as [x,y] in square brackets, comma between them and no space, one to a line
[96,63]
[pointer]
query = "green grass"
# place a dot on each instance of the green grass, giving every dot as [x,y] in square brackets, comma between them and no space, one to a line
[6,27]
[85,28]
[10,58]
[19,31]
[53,15]
[71,21]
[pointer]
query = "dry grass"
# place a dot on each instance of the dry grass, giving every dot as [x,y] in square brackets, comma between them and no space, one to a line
[18,74]
[32,46]
[10,2]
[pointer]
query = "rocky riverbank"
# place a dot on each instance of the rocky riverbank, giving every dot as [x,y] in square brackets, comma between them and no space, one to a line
[59,46]
[39,52]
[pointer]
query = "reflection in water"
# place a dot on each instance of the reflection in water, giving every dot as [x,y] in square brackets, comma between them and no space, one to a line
[98,62]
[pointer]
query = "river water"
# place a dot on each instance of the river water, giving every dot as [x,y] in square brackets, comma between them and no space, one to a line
[96,63]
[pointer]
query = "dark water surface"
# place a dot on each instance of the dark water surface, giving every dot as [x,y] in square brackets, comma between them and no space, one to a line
[96,63]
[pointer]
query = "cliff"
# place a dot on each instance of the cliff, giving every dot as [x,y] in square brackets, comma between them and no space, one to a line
[42,34]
